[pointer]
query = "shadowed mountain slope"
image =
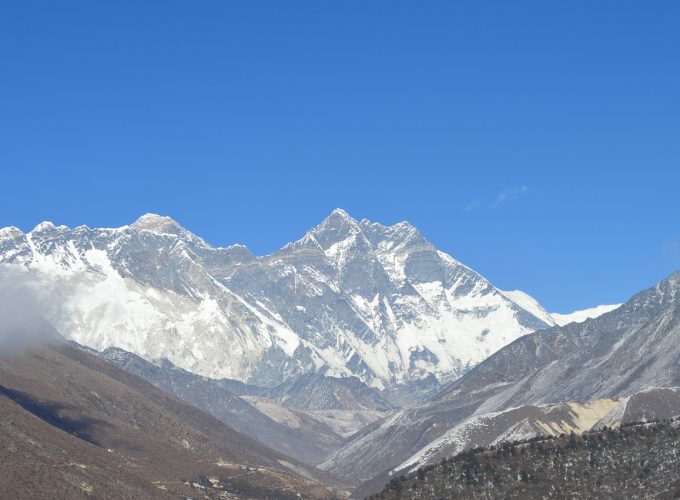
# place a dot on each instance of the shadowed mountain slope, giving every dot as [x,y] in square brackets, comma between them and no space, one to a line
[75,425]
[295,433]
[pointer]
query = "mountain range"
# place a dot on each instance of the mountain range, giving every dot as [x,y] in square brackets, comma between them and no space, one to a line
[348,299]
[355,354]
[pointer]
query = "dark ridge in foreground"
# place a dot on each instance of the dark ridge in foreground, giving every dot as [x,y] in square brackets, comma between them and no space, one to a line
[636,461]
[74,426]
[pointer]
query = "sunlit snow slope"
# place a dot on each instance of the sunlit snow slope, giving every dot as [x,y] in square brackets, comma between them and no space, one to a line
[581,316]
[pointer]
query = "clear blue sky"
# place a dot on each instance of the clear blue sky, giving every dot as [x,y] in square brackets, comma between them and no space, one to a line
[538,142]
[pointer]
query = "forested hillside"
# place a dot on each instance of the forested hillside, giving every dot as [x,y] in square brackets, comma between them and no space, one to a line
[635,461]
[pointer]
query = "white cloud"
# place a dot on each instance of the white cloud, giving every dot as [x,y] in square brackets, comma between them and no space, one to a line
[472,205]
[507,195]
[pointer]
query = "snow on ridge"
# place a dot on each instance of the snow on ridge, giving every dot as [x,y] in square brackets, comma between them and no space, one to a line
[10,232]
[581,316]
[527,302]
[46,226]
[156,223]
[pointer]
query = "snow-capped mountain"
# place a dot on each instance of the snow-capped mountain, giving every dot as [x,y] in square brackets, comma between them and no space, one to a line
[626,352]
[348,299]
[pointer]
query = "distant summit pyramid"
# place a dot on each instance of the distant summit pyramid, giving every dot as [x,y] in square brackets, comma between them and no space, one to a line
[349,298]
[156,223]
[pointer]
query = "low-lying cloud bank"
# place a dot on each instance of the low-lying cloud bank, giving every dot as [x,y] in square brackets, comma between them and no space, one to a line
[23,302]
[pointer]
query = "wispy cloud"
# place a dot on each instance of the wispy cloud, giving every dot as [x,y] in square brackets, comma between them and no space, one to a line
[472,205]
[508,195]
[671,249]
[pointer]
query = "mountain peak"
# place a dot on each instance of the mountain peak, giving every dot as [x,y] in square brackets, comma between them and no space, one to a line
[10,232]
[161,224]
[340,215]
[403,235]
[156,223]
[399,227]
[337,227]
[338,219]
[404,225]
[44,226]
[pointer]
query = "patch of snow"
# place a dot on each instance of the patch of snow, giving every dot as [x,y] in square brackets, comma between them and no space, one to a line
[527,302]
[581,316]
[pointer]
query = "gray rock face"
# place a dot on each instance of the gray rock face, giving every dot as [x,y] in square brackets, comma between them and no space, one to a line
[349,299]
[618,355]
